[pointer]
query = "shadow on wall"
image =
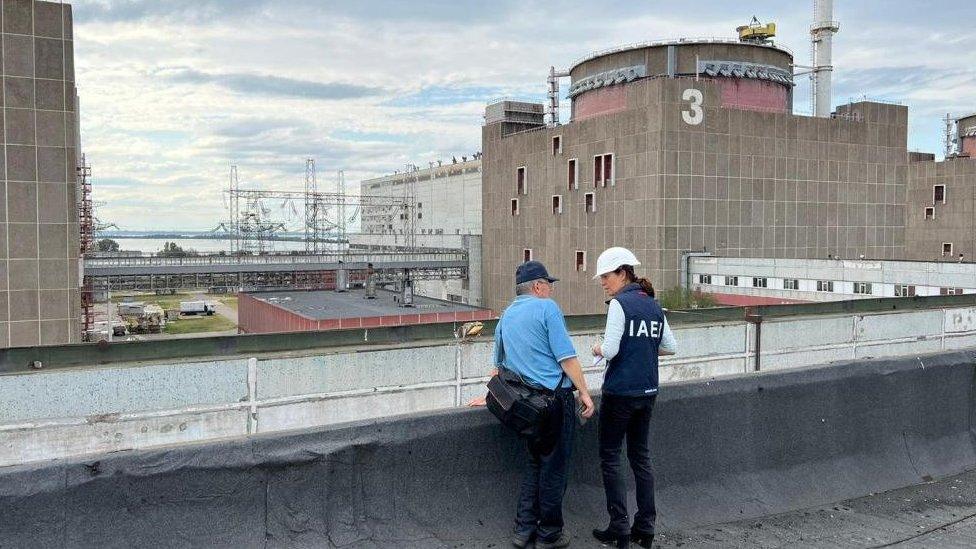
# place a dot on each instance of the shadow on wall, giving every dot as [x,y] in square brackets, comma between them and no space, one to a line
[724,450]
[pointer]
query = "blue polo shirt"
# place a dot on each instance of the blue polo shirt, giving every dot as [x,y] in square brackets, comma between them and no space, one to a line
[535,341]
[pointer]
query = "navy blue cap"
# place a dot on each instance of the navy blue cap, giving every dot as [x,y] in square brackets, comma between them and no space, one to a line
[532,270]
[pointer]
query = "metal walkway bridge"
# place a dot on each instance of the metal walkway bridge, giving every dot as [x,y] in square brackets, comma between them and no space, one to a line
[268,270]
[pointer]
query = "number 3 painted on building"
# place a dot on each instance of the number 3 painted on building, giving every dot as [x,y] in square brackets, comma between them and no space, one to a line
[695,116]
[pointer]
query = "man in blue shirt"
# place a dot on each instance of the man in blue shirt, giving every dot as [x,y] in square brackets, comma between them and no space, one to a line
[531,340]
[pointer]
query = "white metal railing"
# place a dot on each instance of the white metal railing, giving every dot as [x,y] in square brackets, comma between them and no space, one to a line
[825,25]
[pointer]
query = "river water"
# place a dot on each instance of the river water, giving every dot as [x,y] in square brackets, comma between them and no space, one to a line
[202,245]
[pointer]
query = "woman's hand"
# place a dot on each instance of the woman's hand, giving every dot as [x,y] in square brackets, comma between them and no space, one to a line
[597,350]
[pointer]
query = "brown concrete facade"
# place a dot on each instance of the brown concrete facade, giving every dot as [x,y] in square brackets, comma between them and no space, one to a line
[935,218]
[39,286]
[738,183]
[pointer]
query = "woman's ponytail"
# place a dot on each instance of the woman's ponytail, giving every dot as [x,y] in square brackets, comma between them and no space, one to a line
[645,285]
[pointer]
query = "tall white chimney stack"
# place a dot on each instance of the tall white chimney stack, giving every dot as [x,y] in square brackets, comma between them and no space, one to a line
[821,35]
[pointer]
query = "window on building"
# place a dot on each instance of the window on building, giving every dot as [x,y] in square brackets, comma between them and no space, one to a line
[515,206]
[520,183]
[590,201]
[526,254]
[704,279]
[938,194]
[557,145]
[603,170]
[572,177]
[420,215]
[930,213]
[557,204]
[455,298]
[759,282]
[580,261]
[950,291]
[791,284]
[904,290]
[420,205]
[863,288]
[731,281]
[825,285]
[947,249]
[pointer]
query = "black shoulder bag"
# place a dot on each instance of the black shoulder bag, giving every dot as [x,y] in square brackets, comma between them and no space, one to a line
[521,407]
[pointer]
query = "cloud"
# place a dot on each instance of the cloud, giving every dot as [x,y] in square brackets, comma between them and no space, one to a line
[264,84]
[173,93]
[132,10]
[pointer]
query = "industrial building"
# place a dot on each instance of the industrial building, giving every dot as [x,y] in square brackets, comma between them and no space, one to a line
[39,232]
[446,202]
[303,311]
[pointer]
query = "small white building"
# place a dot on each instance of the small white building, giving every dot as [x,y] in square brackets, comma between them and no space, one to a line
[825,279]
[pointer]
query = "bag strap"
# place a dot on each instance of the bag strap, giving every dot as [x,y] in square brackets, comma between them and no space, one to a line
[502,366]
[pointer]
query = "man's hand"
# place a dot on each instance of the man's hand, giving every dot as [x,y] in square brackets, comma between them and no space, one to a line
[587,402]
[597,350]
[478,401]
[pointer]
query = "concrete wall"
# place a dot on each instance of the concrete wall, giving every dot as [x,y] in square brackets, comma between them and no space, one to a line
[61,413]
[733,449]
[39,235]
[953,220]
[738,183]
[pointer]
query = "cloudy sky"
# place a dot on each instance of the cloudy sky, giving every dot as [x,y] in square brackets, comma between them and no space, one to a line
[173,92]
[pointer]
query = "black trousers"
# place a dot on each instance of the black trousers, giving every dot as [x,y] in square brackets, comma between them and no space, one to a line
[540,503]
[627,417]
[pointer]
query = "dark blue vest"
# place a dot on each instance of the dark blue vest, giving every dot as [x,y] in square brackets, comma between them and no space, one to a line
[633,371]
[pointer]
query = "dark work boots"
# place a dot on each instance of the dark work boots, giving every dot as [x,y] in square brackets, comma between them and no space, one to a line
[620,541]
[642,538]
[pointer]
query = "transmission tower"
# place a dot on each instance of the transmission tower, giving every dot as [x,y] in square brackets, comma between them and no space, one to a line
[235,212]
[409,205]
[949,142]
[341,214]
[311,208]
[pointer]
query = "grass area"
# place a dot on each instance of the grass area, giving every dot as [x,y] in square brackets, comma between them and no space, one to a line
[198,324]
[173,301]
[678,298]
[164,301]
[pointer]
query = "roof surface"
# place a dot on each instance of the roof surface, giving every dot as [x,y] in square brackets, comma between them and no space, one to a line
[327,304]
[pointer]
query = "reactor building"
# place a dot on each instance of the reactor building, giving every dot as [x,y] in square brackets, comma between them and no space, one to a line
[682,146]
